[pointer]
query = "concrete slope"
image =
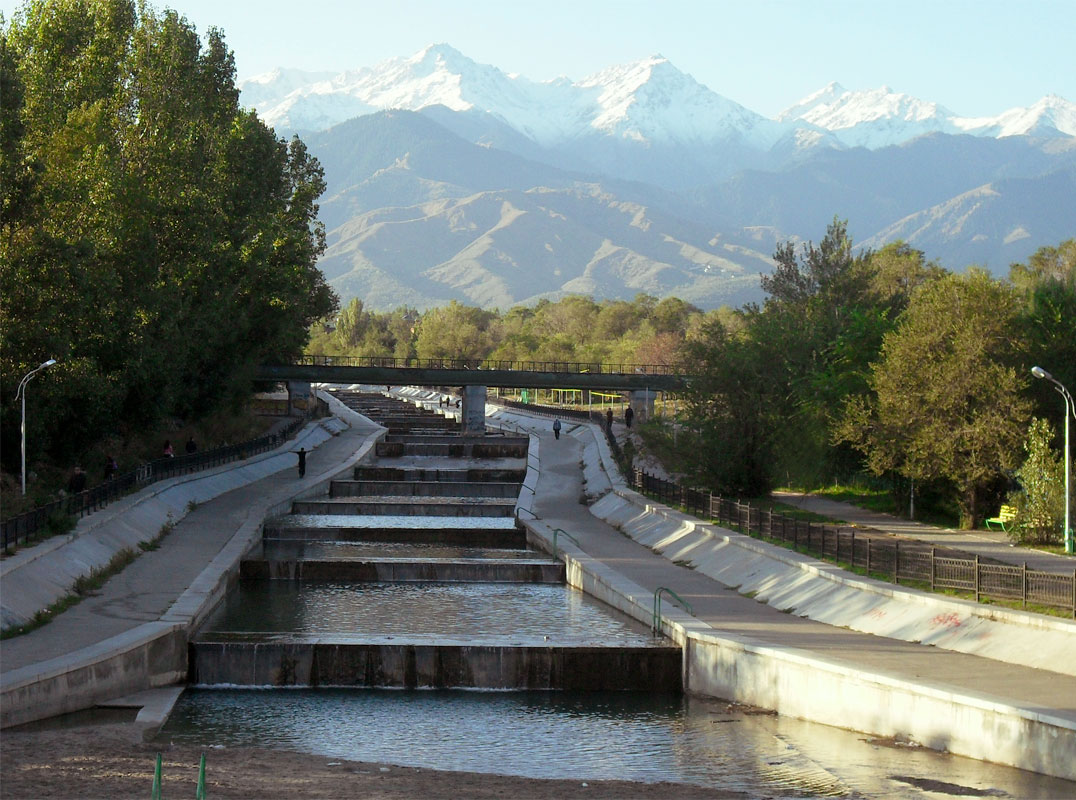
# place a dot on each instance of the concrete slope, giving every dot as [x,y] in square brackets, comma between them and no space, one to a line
[35,577]
[742,649]
[131,635]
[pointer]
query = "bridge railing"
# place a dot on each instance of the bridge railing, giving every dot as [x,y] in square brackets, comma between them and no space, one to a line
[571,367]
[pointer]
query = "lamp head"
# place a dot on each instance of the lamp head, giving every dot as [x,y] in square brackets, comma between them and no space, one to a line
[1039,372]
[49,363]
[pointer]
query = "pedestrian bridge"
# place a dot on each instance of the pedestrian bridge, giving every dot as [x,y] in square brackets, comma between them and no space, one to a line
[476,372]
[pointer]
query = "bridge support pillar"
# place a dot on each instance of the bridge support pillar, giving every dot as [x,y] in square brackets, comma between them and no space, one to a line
[642,403]
[473,416]
[300,398]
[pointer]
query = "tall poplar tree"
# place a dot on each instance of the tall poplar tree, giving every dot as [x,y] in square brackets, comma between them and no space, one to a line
[156,239]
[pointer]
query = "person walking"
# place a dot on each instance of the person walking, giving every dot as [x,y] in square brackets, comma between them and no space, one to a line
[191,447]
[629,415]
[556,428]
[302,461]
[168,451]
[609,420]
[111,468]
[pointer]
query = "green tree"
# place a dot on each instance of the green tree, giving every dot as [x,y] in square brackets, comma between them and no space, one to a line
[948,399]
[156,239]
[454,331]
[1040,502]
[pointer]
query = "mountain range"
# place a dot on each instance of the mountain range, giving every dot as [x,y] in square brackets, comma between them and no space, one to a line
[449,179]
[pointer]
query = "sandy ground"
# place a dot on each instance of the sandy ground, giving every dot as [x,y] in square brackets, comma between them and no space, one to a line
[106,761]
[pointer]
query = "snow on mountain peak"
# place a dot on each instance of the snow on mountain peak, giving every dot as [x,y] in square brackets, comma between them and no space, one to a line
[649,100]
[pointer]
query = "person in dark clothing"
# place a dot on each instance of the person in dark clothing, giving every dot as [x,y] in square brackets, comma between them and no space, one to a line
[556,428]
[629,415]
[77,482]
[302,461]
[609,420]
[111,468]
[191,447]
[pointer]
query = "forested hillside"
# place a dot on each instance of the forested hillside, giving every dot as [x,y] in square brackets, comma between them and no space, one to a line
[156,239]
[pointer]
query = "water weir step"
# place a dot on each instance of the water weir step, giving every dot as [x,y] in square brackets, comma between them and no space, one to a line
[364,488]
[330,661]
[472,570]
[402,506]
[462,475]
[514,538]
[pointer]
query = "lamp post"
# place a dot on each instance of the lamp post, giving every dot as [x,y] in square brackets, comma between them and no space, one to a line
[22,391]
[1070,408]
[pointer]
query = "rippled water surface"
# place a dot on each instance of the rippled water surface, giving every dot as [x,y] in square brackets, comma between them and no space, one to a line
[589,736]
[427,609]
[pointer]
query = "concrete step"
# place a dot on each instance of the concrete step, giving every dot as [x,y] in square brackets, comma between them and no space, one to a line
[476,474]
[240,659]
[397,570]
[463,537]
[361,488]
[459,448]
[408,506]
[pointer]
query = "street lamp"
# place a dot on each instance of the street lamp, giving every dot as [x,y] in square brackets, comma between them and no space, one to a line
[22,391]
[1070,408]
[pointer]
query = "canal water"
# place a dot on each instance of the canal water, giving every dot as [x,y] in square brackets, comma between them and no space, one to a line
[646,736]
[586,736]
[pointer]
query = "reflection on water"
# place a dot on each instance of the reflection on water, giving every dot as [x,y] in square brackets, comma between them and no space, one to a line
[604,735]
[388,521]
[443,609]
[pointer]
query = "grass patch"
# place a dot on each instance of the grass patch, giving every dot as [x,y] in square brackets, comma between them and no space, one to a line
[83,587]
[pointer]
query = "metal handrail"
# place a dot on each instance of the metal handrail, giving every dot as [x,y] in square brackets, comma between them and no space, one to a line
[655,622]
[561,530]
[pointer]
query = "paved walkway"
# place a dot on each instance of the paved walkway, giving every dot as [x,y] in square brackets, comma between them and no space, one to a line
[149,586]
[986,544]
[721,607]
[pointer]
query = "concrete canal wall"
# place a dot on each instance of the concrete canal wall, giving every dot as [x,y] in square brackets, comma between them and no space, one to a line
[152,654]
[809,685]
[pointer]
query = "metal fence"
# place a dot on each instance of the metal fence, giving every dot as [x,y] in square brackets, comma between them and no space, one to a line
[896,559]
[573,367]
[23,527]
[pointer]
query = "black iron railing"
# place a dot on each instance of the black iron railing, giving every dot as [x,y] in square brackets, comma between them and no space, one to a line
[878,554]
[25,526]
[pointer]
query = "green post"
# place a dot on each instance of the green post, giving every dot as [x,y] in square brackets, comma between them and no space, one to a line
[155,792]
[199,793]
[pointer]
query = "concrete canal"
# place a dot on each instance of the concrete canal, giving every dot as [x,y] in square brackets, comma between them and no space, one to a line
[412,575]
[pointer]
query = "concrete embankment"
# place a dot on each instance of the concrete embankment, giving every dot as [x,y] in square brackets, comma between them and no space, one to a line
[738,648]
[133,634]
[36,577]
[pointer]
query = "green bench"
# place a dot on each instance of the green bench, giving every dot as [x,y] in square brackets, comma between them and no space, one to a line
[1006,515]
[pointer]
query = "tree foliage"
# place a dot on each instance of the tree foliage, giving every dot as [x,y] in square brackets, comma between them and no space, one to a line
[948,398]
[156,239]
[1040,501]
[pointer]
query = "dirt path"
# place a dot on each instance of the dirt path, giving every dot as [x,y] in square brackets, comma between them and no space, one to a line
[103,762]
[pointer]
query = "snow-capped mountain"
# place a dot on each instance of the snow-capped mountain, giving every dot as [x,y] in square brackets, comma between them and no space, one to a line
[876,118]
[648,102]
[448,179]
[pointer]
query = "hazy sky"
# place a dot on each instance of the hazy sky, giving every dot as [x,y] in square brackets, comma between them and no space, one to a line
[976,57]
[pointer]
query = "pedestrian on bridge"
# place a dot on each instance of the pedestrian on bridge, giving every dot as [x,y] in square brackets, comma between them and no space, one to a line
[302,461]
[556,428]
